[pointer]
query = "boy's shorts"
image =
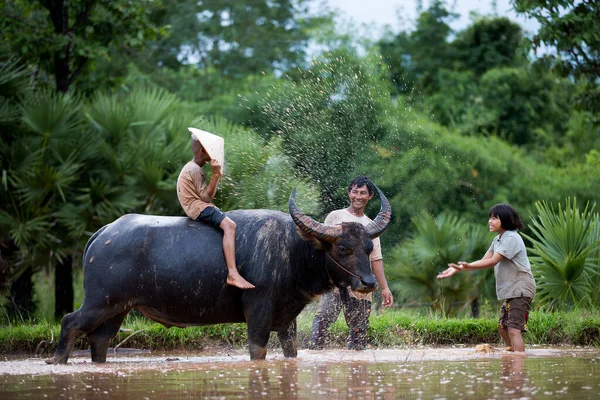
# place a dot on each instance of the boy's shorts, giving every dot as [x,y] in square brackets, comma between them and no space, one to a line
[515,313]
[211,215]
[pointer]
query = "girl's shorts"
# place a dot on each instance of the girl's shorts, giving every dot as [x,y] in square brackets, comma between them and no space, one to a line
[515,313]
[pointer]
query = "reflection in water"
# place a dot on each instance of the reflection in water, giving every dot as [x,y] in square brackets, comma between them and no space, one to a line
[274,381]
[504,377]
[513,375]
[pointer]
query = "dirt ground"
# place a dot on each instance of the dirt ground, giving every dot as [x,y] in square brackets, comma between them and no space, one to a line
[132,360]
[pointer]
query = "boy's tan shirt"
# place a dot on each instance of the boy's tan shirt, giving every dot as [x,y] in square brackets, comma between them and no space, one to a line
[191,190]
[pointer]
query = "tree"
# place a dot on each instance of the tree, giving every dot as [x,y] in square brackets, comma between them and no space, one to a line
[64,40]
[415,58]
[231,39]
[525,106]
[327,118]
[571,27]
[486,44]
[564,261]
[41,161]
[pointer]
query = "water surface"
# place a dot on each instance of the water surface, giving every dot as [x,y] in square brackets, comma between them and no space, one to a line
[331,374]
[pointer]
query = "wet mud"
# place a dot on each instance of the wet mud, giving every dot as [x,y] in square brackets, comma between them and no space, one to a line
[133,360]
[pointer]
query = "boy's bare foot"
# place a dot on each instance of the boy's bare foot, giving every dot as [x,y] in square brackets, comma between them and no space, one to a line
[239,281]
[508,348]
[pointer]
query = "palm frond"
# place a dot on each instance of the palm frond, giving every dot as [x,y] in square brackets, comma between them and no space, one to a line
[110,117]
[52,116]
[13,74]
[150,107]
[564,241]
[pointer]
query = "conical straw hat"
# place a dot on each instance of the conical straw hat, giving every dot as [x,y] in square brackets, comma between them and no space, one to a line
[213,144]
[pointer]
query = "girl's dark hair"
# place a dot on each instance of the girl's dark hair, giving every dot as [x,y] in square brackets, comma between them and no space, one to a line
[509,218]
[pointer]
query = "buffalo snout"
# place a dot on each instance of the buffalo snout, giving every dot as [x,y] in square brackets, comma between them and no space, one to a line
[366,285]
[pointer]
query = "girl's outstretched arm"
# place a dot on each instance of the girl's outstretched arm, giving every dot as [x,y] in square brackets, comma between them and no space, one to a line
[489,260]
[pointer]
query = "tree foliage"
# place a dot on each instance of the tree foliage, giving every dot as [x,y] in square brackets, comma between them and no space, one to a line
[564,261]
[571,28]
[436,242]
[65,40]
[327,119]
[416,57]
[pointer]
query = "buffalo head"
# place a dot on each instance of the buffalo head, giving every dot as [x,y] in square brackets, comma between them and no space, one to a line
[347,246]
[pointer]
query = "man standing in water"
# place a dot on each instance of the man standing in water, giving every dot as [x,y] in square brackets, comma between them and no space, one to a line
[196,196]
[357,306]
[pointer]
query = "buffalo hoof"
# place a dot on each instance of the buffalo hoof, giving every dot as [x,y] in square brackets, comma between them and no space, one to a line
[55,360]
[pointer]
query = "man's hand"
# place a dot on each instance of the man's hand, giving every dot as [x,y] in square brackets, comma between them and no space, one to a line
[216,168]
[388,298]
[451,270]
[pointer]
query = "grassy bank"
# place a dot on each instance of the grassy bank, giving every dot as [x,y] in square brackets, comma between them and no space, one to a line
[388,329]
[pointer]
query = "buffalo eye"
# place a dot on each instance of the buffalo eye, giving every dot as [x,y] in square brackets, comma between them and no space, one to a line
[344,250]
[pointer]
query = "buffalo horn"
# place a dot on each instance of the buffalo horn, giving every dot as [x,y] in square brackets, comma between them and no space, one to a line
[310,226]
[380,224]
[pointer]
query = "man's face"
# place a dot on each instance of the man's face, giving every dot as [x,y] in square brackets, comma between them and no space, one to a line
[359,196]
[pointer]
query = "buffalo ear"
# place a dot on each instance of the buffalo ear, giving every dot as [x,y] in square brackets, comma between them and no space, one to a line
[318,243]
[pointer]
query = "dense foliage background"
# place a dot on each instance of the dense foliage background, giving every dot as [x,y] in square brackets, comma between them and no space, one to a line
[96,96]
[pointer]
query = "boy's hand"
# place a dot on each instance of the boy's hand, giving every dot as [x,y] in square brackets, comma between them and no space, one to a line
[216,168]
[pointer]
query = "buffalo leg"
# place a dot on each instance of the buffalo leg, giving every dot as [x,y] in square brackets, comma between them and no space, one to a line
[257,342]
[289,340]
[74,325]
[259,330]
[68,336]
[101,336]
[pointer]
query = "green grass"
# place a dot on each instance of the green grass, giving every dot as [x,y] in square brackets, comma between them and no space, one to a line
[392,328]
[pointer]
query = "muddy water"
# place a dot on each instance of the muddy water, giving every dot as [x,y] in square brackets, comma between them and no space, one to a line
[455,373]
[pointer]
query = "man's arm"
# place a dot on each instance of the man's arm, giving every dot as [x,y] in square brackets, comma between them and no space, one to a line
[377,268]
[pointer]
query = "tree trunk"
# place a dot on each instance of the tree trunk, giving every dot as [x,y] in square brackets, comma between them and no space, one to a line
[21,306]
[4,273]
[475,307]
[63,287]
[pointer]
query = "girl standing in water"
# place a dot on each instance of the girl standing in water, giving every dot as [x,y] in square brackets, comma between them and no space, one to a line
[514,280]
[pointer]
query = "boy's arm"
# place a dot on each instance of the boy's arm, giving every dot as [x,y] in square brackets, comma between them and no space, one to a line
[211,190]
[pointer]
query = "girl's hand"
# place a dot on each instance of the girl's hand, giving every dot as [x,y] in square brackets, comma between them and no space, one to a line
[451,270]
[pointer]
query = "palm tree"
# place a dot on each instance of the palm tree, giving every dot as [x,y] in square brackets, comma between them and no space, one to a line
[13,86]
[41,159]
[438,241]
[565,255]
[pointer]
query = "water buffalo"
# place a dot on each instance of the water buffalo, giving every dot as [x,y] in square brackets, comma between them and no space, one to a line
[172,269]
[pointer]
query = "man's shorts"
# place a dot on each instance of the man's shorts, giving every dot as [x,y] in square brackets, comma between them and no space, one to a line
[211,215]
[515,313]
